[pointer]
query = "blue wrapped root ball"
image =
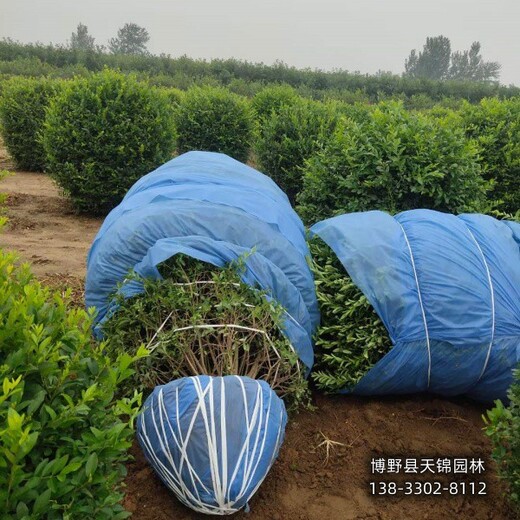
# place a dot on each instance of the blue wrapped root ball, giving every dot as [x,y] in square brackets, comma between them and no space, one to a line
[212,440]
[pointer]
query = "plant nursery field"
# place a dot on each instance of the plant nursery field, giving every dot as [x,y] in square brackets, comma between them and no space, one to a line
[324,467]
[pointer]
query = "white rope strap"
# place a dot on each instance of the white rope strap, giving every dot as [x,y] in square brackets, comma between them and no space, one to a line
[420,303]
[205,282]
[217,326]
[255,423]
[174,480]
[492,298]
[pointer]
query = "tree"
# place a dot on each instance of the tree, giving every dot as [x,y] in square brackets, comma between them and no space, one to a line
[436,61]
[433,62]
[470,65]
[131,39]
[81,39]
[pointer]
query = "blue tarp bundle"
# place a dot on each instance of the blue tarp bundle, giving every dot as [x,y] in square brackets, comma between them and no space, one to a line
[214,209]
[447,289]
[212,440]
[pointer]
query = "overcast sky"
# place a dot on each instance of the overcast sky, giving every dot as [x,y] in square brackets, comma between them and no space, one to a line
[363,35]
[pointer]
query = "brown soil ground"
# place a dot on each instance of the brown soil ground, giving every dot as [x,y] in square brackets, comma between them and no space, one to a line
[43,228]
[304,483]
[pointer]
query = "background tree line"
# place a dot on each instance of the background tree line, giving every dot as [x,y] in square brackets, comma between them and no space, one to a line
[421,86]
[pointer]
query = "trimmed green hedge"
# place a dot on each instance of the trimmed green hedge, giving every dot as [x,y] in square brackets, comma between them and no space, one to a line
[292,134]
[495,125]
[184,71]
[22,112]
[215,120]
[102,134]
[174,95]
[271,99]
[392,160]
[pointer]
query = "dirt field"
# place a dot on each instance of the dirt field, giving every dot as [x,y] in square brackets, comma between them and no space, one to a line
[304,484]
[43,228]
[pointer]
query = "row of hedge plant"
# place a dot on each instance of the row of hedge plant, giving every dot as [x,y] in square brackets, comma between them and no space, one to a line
[100,134]
[183,70]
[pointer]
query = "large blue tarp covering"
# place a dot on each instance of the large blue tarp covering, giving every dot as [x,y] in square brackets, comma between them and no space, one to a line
[212,440]
[447,289]
[215,209]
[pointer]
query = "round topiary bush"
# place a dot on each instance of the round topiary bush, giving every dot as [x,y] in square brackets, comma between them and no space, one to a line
[22,112]
[215,120]
[495,125]
[272,99]
[103,133]
[202,320]
[392,160]
[291,135]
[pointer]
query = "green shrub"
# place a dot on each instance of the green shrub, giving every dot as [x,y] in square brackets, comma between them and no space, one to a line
[444,114]
[289,137]
[392,161]
[419,102]
[180,318]
[245,88]
[351,337]
[22,112]
[495,125]
[174,95]
[272,99]
[103,133]
[452,103]
[216,120]
[359,112]
[63,436]
[503,428]
[358,96]
[501,215]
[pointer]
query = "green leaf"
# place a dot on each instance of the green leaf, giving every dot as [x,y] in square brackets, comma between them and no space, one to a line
[92,463]
[41,503]
[70,468]
[14,419]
